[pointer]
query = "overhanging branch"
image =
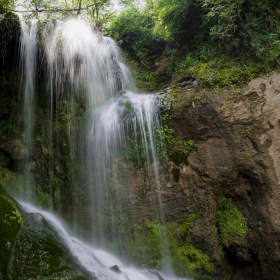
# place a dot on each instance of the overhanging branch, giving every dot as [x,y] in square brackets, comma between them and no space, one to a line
[58,10]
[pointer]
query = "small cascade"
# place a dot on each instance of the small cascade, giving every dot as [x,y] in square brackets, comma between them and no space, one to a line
[101,264]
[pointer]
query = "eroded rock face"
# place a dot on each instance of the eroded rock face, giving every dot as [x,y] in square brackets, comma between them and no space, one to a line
[237,157]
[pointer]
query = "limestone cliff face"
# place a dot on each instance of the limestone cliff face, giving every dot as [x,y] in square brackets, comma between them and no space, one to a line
[237,157]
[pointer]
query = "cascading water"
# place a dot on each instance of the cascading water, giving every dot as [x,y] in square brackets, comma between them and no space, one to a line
[98,262]
[85,67]
[28,62]
[91,65]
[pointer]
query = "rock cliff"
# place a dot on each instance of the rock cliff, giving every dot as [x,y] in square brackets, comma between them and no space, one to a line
[237,157]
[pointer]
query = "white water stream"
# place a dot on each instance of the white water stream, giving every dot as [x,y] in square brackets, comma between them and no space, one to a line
[28,55]
[96,260]
[83,63]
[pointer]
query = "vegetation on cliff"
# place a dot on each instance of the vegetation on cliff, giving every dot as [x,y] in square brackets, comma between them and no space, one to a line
[219,42]
[231,223]
[154,244]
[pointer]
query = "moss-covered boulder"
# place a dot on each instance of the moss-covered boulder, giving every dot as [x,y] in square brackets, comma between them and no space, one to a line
[31,248]
[11,220]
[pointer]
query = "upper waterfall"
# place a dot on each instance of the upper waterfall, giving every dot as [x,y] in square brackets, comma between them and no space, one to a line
[90,62]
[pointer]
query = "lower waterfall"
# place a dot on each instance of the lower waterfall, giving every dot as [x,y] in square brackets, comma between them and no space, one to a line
[99,263]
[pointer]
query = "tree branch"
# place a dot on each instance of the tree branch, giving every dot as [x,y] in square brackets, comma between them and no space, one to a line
[80,7]
[57,10]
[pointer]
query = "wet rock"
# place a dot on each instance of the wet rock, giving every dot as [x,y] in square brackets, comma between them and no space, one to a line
[237,157]
[115,268]
[11,220]
[188,81]
[30,248]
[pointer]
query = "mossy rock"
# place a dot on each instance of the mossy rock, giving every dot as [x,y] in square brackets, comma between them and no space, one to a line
[31,248]
[11,220]
[10,22]
[40,253]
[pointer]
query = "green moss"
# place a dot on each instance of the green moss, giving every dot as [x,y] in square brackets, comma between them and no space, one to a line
[30,248]
[12,181]
[201,70]
[191,143]
[10,223]
[143,191]
[43,198]
[40,253]
[155,245]
[232,224]
[260,227]
[215,69]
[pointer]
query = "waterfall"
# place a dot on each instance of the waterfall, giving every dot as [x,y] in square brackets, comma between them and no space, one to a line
[97,261]
[86,68]
[28,56]
[82,62]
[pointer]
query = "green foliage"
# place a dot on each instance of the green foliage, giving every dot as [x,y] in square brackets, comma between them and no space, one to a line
[216,70]
[143,191]
[6,5]
[191,143]
[134,149]
[168,135]
[225,42]
[155,245]
[177,19]
[10,223]
[133,29]
[244,25]
[260,227]
[232,224]
[225,14]
[175,149]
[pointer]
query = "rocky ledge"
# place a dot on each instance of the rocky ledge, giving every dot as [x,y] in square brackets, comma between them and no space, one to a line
[237,159]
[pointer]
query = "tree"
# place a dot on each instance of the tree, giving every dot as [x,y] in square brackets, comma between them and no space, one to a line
[133,29]
[6,5]
[95,9]
[244,25]
[177,20]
